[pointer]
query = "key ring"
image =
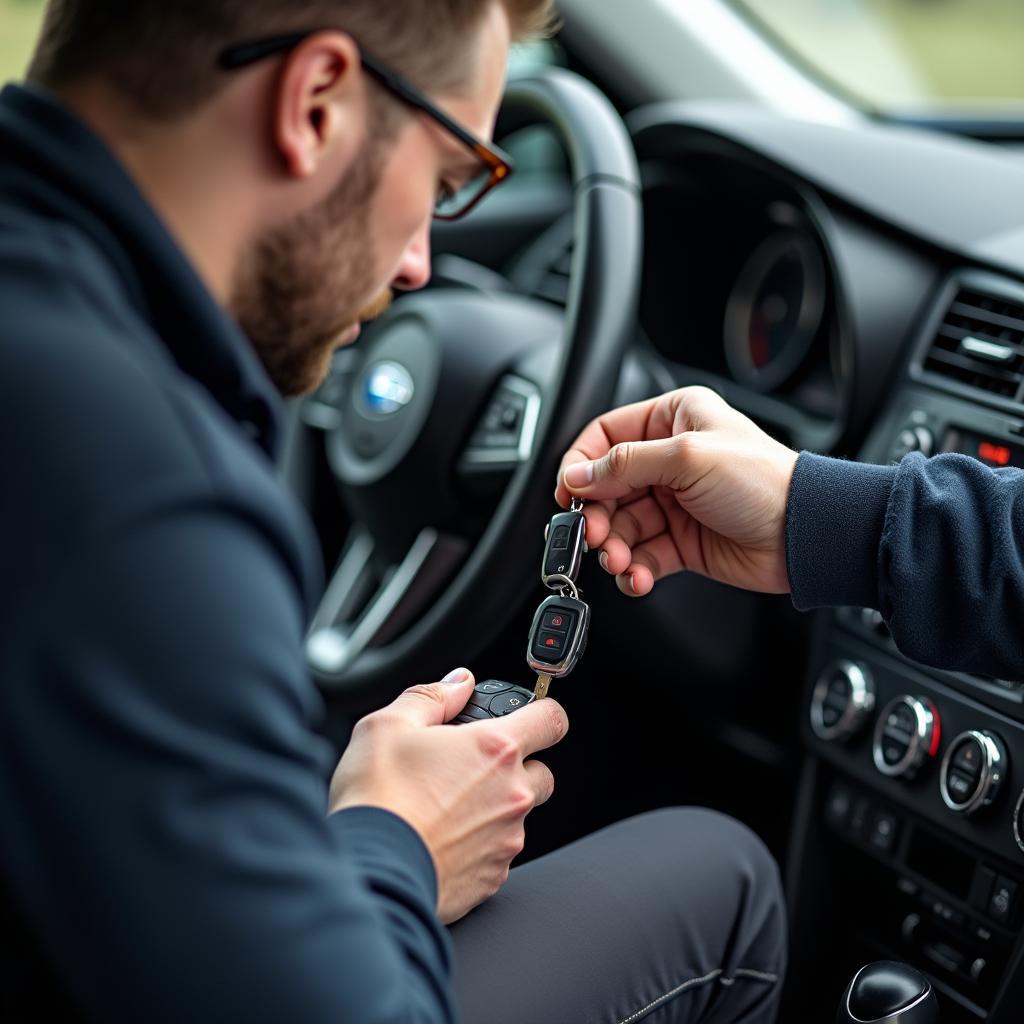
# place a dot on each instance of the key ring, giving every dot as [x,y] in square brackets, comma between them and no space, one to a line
[566,584]
[577,505]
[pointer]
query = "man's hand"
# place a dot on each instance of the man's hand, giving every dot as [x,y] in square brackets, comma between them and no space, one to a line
[683,483]
[466,790]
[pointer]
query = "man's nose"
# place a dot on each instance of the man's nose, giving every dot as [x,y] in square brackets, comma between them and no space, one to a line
[414,268]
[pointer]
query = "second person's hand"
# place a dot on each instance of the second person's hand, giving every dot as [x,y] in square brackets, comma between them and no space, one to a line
[683,483]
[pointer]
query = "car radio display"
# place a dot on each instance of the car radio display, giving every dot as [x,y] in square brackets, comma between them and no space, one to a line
[992,451]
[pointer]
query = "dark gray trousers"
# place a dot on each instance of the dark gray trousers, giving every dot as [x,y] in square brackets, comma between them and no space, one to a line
[674,917]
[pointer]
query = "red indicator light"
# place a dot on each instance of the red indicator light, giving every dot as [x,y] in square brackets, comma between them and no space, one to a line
[936,730]
[997,454]
[550,642]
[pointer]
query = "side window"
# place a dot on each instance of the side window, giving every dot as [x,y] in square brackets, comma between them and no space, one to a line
[19,25]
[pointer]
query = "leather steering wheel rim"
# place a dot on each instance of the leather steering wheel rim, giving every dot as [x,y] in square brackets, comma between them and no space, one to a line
[599,324]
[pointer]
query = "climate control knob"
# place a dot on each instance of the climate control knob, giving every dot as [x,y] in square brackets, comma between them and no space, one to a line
[972,771]
[913,439]
[906,735]
[843,698]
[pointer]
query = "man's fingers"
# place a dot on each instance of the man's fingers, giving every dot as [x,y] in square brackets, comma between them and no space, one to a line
[542,782]
[538,726]
[627,468]
[436,703]
[652,561]
[632,525]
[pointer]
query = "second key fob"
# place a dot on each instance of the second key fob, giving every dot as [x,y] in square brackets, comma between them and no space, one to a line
[494,699]
[558,636]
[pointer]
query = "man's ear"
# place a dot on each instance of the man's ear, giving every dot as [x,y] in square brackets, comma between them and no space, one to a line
[320,104]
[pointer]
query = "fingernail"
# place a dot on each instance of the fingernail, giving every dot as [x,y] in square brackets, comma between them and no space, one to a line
[632,584]
[460,675]
[580,475]
[603,559]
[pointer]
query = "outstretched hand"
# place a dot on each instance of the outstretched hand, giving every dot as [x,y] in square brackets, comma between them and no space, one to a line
[682,483]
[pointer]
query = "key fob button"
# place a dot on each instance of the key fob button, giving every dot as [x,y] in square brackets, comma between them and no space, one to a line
[473,713]
[550,647]
[493,686]
[506,703]
[557,621]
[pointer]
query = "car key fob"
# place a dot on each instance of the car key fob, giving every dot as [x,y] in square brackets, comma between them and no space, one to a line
[494,699]
[558,636]
[565,544]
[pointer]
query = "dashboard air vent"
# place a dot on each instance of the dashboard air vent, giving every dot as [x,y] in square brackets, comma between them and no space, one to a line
[980,344]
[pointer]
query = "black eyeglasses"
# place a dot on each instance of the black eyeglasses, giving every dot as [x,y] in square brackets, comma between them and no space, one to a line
[451,204]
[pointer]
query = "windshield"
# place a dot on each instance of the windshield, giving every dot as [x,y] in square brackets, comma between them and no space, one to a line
[923,58]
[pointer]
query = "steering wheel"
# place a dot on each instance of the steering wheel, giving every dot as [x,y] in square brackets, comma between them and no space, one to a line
[453,390]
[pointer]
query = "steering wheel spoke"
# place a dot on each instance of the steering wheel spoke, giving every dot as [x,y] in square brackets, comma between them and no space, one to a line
[364,607]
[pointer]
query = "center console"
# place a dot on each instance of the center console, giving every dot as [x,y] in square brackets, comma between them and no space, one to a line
[911,839]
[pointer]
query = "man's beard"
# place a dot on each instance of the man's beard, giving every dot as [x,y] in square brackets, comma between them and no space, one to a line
[304,286]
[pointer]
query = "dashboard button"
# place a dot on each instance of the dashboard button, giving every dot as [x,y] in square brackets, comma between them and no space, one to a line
[906,736]
[1003,901]
[884,831]
[973,771]
[843,697]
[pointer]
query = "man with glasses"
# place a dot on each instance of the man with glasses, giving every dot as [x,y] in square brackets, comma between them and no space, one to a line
[171,850]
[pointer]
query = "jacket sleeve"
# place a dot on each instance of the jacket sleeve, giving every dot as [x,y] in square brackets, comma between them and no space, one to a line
[936,545]
[171,851]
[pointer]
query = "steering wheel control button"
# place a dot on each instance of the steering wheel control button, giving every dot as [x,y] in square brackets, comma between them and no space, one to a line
[972,773]
[506,435]
[906,736]
[843,698]
[493,699]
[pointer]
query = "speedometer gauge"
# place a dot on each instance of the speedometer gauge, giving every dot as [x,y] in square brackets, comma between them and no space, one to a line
[775,310]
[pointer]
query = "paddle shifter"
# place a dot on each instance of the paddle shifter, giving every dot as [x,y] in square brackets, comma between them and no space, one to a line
[888,992]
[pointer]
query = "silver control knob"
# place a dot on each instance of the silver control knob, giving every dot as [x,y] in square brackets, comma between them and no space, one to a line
[972,771]
[913,439]
[843,698]
[906,736]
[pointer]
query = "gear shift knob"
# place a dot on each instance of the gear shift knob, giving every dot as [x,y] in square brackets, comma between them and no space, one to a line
[888,992]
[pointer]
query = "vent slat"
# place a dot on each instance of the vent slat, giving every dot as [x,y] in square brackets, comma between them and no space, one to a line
[989,319]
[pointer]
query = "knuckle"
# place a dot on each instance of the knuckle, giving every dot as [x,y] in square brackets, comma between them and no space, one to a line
[619,459]
[513,846]
[425,692]
[372,723]
[499,746]
[558,721]
[521,801]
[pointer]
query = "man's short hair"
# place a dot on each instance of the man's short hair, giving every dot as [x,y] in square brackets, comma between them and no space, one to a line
[162,54]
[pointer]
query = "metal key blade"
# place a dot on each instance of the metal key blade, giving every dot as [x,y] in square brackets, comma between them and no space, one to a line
[543,685]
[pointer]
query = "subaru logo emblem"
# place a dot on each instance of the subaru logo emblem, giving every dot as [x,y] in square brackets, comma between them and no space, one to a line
[387,388]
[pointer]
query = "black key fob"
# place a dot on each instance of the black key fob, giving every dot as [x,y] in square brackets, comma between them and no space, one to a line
[494,699]
[564,547]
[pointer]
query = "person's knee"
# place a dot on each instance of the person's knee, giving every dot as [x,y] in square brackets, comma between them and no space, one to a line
[734,861]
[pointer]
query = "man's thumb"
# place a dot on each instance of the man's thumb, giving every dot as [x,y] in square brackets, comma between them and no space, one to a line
[437,703]
[628,467]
